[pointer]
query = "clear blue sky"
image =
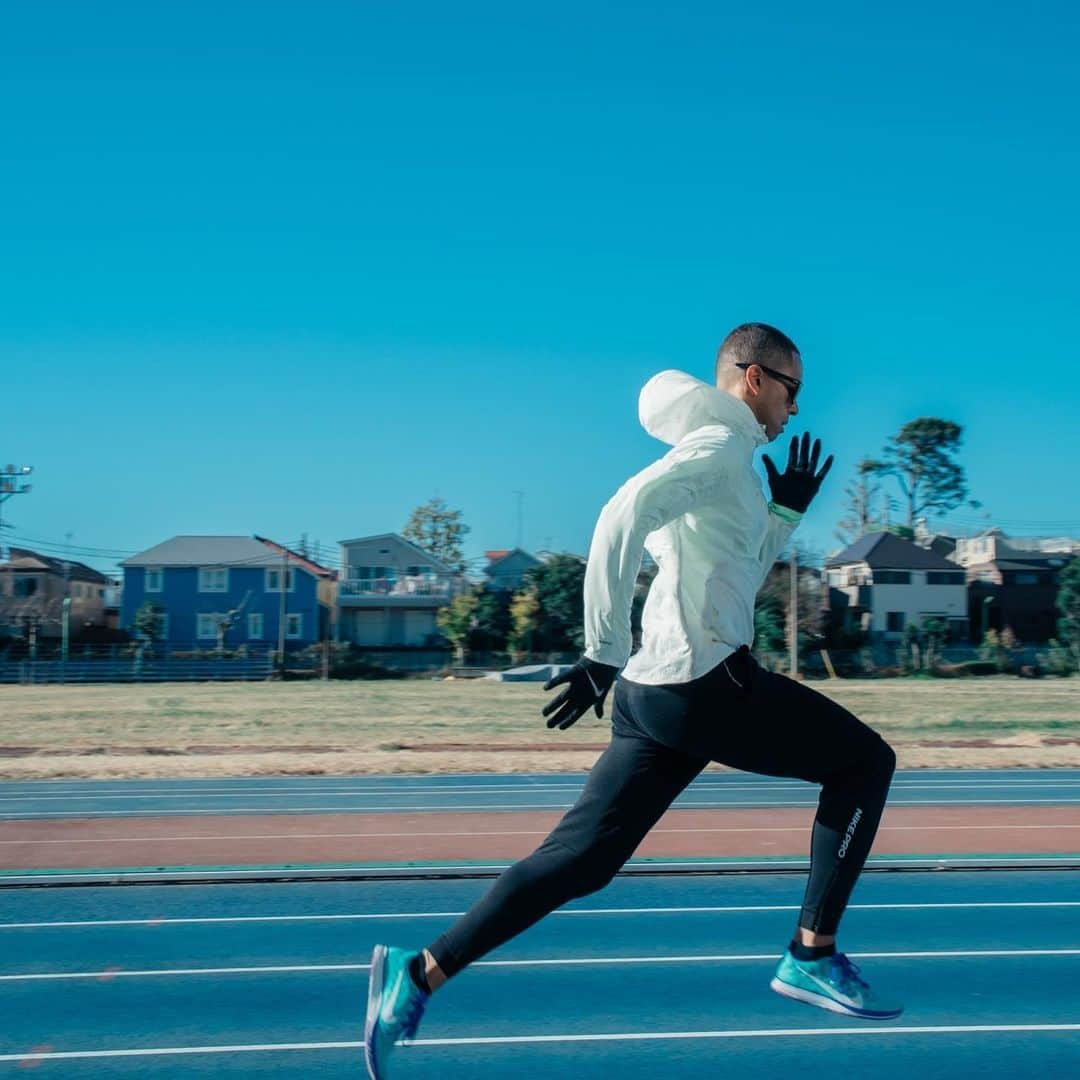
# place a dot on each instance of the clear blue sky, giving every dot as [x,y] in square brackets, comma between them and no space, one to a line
[281,268]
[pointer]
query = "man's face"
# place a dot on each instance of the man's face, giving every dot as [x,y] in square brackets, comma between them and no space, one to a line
[773,405]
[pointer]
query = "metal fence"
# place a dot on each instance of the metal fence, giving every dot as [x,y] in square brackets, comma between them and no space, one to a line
[134,669]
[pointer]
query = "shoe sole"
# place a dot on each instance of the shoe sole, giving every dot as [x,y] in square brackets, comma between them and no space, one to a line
[808,997]
[375,989]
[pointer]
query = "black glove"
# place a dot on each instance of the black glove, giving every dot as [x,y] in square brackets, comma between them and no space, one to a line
[798,485]
[589,682]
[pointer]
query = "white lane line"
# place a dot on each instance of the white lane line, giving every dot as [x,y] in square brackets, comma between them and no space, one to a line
[680,804]
[800,829]
[445,789]
[488,1040]
[566,961]
[699,910]
[749,1033]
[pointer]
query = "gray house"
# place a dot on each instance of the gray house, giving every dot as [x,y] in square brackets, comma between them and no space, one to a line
[391,591]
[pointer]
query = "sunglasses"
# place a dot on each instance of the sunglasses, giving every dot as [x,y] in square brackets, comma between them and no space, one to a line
[792,385]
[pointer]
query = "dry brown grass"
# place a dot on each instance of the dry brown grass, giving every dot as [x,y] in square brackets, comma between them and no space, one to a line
[341,728]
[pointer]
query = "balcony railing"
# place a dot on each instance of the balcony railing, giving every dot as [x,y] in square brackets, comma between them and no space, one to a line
[404,586]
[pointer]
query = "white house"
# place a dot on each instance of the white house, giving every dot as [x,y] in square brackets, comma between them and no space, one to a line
[391,591]
[883,583]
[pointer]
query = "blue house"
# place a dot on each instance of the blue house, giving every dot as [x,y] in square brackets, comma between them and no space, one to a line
[229,586]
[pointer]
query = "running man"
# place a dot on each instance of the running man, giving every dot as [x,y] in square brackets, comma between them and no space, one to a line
[691,694]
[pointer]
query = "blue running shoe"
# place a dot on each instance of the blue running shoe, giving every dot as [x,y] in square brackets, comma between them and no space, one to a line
[831,983]
[395,1005]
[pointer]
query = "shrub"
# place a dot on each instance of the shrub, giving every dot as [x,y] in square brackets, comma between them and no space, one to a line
[1058,660]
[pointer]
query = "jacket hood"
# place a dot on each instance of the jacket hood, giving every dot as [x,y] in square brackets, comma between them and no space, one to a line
[673,403]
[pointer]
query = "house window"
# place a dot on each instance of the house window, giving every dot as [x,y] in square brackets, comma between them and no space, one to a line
[1027,579]
[213,579]
[294,626]
[152,579]
[164,626]
[25,586]
[943,577]
[273,579]
[894,622]
[892,577]
[206,627]
[255,626]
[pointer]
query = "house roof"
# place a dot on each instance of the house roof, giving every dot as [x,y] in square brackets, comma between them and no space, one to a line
[208,551]
[497,557]
[25,559]
[887,551]
[1047,562]
[401,540]
[300,560]
[496,554]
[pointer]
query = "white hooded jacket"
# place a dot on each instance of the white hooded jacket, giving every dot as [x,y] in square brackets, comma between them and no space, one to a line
[701,513]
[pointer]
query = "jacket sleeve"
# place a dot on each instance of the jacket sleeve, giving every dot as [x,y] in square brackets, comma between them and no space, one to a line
[681,480]
[782,523]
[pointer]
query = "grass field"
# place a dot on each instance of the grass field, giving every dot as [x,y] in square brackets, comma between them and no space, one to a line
[467,726]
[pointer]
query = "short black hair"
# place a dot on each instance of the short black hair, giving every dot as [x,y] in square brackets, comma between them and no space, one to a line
[756,343]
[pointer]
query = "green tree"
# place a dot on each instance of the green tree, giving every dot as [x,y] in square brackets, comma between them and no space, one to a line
[559,585]
[150,620]
[934,633]
[1068,604]
[456,621]
[492,623]
[439,531]
[920,457]
[525,615]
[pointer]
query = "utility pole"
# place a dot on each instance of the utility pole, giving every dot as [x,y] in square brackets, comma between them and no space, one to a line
[793,614]
[66,604]
[11,484]
[65,621]
[282,610]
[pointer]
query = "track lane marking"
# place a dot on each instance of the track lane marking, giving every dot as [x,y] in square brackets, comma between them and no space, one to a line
[500,807]
[684,910]
[441,789]
[490,1040]
[584,961]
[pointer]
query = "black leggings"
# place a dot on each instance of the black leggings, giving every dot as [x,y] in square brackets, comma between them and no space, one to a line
[738,714]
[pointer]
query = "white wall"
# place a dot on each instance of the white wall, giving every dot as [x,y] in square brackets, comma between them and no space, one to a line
[918,600]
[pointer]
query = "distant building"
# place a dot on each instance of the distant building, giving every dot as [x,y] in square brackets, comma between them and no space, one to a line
[1014,582]
[391,592]
[883,583]
[200,580]
[506,569]
[32,592]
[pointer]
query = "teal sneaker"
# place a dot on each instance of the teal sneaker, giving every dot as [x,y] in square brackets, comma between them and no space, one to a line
[831,983]
[395,1005]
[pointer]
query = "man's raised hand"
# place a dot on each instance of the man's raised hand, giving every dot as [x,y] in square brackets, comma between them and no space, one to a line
[796,487]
